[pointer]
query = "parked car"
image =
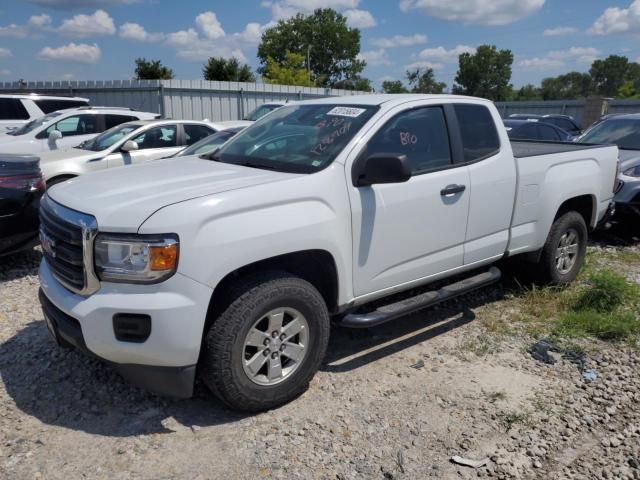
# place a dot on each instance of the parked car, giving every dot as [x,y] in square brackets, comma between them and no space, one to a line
[18,109]
[209,144]
[66,128]
[535,130]
[262,110]
[21,186]
[624,131]
[126,144]
[565,122]
[232,266]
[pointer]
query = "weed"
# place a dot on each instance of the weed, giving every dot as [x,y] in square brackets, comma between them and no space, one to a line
[605,326]
[510,419]
[608,291]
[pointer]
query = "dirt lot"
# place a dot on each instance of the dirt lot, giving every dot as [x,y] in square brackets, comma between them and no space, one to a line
[394,402]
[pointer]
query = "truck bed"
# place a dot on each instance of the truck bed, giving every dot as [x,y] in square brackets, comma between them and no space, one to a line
[524,148]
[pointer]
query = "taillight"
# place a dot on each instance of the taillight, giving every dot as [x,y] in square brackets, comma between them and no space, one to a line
[30,183]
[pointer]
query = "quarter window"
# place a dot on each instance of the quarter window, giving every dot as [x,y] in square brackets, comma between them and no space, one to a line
[478,131]
[48,106]
[420,134]
[194,133]
[111,121]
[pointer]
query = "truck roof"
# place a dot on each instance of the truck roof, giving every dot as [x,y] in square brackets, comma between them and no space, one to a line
[388,98]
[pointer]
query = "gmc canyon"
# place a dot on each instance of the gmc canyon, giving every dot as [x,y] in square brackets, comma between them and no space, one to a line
[232,266]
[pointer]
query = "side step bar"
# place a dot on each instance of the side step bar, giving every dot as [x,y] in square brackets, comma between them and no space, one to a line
[392,311]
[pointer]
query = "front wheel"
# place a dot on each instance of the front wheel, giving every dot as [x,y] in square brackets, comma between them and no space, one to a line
[267,345]
[565,249]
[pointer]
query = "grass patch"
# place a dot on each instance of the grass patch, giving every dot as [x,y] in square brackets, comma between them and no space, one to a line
[608,292]
[605,326]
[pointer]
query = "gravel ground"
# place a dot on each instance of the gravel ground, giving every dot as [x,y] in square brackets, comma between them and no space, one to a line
[394,402]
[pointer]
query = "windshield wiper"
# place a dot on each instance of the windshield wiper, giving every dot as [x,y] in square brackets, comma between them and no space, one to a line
[261,166]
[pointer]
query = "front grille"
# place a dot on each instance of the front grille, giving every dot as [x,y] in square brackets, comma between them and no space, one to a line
[63,234]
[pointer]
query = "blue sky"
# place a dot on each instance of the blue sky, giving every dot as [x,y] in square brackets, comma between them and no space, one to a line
[99,39]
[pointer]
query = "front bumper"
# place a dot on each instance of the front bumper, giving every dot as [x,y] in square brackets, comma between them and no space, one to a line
[165,362]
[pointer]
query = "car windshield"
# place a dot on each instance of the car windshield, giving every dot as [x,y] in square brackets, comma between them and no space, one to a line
[109,137]
[34,124]
[625,133]
[296,139]
[208,144]
[260,112]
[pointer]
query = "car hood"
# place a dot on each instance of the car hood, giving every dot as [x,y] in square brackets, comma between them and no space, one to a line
[121,199]
[629,158]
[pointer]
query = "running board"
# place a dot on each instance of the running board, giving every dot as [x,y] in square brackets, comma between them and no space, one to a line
[392,311]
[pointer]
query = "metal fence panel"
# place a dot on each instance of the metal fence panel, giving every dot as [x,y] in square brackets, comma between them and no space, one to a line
[179,99]
[624,106]
[563,107]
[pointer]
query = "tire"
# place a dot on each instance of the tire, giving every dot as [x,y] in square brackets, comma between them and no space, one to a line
[551,268]
[228,364]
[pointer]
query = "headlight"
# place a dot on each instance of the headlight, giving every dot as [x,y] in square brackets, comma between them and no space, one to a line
[633,171]
[136,258]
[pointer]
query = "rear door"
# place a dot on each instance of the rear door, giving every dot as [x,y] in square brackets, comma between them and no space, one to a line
[153,143]
[409,231]
[492,174]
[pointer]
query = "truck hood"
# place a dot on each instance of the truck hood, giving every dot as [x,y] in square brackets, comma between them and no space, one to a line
[121,199]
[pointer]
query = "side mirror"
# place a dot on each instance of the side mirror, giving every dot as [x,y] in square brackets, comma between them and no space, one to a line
[380,168]
[129,146]
[55,135]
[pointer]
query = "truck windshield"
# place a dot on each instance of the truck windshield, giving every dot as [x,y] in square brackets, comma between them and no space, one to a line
[33,124]
[296,138]
[625,133]
[108,138]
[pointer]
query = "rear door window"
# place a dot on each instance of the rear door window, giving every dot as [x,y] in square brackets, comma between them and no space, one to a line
[195,133]
[12,109]
[478,132]
[421,134]
[165,136]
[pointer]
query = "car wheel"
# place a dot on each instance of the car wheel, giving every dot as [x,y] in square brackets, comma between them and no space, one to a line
[265,347]
[565,249]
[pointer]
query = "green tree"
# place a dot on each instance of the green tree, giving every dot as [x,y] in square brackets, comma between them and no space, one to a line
[291,71]
[628,90]
[227,70]
[152,70]
[527,92]
[393,86]
[569,86]
[609,74]
[423,80]
[356,83]
[486,73]
[323,37]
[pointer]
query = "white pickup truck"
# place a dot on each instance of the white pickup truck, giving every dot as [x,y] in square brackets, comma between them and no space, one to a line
[231,266]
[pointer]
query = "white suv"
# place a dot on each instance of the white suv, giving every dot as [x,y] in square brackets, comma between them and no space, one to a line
[66,128]
[18,109]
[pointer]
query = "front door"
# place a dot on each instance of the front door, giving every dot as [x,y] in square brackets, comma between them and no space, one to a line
[75,130]
[408,231]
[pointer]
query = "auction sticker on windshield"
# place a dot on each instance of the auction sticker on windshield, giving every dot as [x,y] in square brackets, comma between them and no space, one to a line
[346,112]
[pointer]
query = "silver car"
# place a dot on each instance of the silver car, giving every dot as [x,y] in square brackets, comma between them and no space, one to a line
[623,131]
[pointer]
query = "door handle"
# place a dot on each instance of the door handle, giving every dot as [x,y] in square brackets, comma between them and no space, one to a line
[452,190]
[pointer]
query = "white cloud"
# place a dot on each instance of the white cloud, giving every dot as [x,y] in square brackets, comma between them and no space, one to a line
[73,4]
[252,33]
[135,31]
[81,53]
[618,20]
[424,64]
[357,18]
[560,58]
[209,25]
[5,53]
[282,9]
[39,21]
[485,12]
[13,30]
[442,55]
[67,76]
[400,41]
[538,63]
[559,31]
[100,23]
[375,57]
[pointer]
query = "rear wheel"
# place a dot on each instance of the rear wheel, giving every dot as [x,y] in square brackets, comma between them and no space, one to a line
[265,347]
[565,249]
